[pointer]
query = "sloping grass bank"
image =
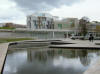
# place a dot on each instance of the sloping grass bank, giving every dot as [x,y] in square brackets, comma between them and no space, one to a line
[4,40]
[7,28]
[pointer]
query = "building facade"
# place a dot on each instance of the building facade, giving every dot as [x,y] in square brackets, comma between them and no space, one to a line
[47,21]
[94,28]
[40,21]
[2,24]
[68,23]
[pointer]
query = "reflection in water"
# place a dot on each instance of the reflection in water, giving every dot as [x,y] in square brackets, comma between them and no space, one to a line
[49,61]
[45,55]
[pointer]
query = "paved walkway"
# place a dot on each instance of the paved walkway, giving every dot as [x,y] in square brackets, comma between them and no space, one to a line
[79,44]
[3,52]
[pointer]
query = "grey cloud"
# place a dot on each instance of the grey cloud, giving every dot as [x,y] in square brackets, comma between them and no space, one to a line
[43,4]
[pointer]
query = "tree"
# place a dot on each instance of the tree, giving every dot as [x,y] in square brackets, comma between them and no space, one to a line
[83,25]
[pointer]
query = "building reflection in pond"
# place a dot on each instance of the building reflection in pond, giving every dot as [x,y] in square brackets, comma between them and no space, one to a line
[43,56]
[49,61]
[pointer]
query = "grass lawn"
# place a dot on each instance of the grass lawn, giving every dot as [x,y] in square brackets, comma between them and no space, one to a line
[7,28]
[4,40]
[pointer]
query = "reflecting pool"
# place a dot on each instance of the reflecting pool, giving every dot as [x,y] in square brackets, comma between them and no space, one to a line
[45,60]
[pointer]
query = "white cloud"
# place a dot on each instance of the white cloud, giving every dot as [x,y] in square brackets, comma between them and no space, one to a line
[9,12]
[89,8]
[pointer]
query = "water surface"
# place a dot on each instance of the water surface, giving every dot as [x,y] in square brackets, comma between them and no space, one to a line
[49,61]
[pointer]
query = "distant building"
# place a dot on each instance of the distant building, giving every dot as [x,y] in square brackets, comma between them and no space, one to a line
[12,25]
[20,26]
[94,27]
[2,24]
[68,23]
[40,21]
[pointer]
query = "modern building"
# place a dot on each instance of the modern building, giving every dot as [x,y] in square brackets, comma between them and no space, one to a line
[47,21]
[40,21]
[2,24]
[68,23]
[94,28]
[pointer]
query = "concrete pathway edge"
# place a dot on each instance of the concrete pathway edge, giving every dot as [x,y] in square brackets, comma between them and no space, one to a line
[3,53]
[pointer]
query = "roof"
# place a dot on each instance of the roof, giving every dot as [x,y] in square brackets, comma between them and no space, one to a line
[42,15]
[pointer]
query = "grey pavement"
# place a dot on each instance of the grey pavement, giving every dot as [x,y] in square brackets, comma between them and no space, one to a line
[79,44]
[3,52]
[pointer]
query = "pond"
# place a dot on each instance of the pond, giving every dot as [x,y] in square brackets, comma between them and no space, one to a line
[43,60]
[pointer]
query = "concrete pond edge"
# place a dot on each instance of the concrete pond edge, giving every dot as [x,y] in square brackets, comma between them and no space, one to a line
[4,49]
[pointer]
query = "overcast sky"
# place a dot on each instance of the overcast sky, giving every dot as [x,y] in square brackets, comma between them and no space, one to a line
[16,10]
